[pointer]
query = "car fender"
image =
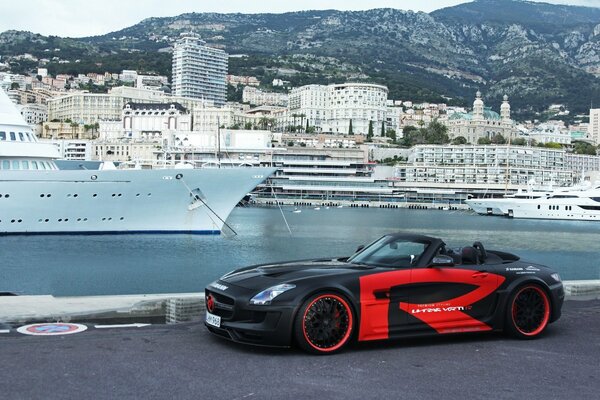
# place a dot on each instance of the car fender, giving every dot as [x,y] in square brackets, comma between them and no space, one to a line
[504,294]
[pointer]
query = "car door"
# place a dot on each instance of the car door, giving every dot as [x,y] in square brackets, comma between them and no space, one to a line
[383,292]
[448,299]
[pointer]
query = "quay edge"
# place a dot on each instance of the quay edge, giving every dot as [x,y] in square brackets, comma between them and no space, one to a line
[161,308]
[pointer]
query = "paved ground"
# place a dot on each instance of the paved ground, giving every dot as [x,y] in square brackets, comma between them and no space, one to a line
[185,362]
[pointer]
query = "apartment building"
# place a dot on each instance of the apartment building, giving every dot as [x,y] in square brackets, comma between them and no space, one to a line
[199,71]
[493,167]
[594,126]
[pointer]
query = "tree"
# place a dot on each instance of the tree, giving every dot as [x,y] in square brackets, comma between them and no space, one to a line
[350,132]
[307,127]
[74,126]
[302,116]
[554,145]
[15,86]
[584,148]
[391,134]
[382,129]
[498,139]
[370,132]
[484,140]
[436,133]
[459,140]
[248,125]
[519,142]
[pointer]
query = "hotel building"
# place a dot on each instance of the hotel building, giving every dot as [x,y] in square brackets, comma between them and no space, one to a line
[333,108]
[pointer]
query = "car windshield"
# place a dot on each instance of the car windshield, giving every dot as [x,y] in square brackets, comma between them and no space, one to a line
[390,252]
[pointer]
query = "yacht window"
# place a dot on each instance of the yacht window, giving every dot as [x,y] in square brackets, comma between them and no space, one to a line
[16,165]
[29,139]
[595,199]
[5,164]
[2,135]
[21,137]
[42,165]
[25,164]
[12,136]
[34,165]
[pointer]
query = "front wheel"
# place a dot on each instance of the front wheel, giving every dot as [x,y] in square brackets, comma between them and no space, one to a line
[528,312]
[324,324]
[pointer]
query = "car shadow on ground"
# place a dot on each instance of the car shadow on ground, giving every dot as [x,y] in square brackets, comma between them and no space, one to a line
[552,331]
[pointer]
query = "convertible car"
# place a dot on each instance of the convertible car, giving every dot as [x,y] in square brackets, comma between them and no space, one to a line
[399,285]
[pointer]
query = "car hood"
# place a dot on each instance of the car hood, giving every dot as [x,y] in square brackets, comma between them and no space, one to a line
[266,275]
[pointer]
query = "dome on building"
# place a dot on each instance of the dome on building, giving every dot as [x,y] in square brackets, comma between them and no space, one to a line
[489,114]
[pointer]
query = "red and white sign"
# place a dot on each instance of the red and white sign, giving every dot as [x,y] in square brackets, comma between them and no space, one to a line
[51,329]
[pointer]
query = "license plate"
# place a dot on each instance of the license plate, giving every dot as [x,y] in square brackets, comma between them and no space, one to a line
[213,320]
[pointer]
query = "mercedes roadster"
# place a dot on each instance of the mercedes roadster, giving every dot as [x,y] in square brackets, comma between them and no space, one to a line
[399,285]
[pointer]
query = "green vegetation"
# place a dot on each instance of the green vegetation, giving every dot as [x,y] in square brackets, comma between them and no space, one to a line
[584,148]
[434,133]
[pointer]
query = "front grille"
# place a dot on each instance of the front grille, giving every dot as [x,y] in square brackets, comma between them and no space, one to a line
[223,305]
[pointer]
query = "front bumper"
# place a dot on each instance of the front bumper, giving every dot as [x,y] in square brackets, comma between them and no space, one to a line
[242,322]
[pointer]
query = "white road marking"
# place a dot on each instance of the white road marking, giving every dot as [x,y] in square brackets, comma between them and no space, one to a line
[138,325]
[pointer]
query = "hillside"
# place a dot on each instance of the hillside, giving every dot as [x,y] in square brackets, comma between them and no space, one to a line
[536,53]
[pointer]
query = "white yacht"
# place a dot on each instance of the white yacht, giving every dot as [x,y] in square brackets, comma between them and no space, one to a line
[494,206]
[569,205]
[37,197]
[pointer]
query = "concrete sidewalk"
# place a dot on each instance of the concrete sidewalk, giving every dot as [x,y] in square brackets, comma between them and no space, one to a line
[24,309]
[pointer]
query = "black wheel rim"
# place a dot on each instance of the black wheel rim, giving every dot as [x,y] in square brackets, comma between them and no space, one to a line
[327,323]
[530,311]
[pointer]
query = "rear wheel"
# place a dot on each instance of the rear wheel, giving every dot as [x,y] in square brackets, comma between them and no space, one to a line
[324,324]
[528,312]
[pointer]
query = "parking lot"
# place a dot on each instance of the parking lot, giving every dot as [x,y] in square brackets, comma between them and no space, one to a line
[185,361]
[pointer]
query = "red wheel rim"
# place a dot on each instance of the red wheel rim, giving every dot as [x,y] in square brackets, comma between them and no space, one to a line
[327,323]
[530,310]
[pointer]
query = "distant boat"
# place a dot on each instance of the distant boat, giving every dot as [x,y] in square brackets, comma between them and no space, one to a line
[340,206]
[317,208]
[296,211]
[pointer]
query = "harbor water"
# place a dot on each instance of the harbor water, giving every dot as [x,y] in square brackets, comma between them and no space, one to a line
[73,265]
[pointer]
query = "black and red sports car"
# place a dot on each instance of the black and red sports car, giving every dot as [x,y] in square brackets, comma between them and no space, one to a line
[399,285]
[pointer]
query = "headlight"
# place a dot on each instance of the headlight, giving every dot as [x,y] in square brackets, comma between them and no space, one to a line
[266,296]
[556,277]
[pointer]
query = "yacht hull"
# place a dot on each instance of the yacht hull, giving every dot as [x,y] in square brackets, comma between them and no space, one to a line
[123,201]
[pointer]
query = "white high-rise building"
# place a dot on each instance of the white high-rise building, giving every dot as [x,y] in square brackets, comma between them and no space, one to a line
[594,126]
[199,71]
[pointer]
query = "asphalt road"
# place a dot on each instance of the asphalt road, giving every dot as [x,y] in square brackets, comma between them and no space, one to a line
[186,362]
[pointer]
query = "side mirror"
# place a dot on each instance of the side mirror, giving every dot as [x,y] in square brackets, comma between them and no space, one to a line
[359,248]
[442,261]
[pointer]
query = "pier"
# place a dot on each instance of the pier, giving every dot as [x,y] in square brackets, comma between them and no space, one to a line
[295,202]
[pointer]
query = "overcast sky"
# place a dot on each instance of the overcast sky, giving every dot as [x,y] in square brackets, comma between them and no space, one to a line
[77,18]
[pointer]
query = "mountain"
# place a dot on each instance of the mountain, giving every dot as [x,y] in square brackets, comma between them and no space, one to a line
[536,53]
